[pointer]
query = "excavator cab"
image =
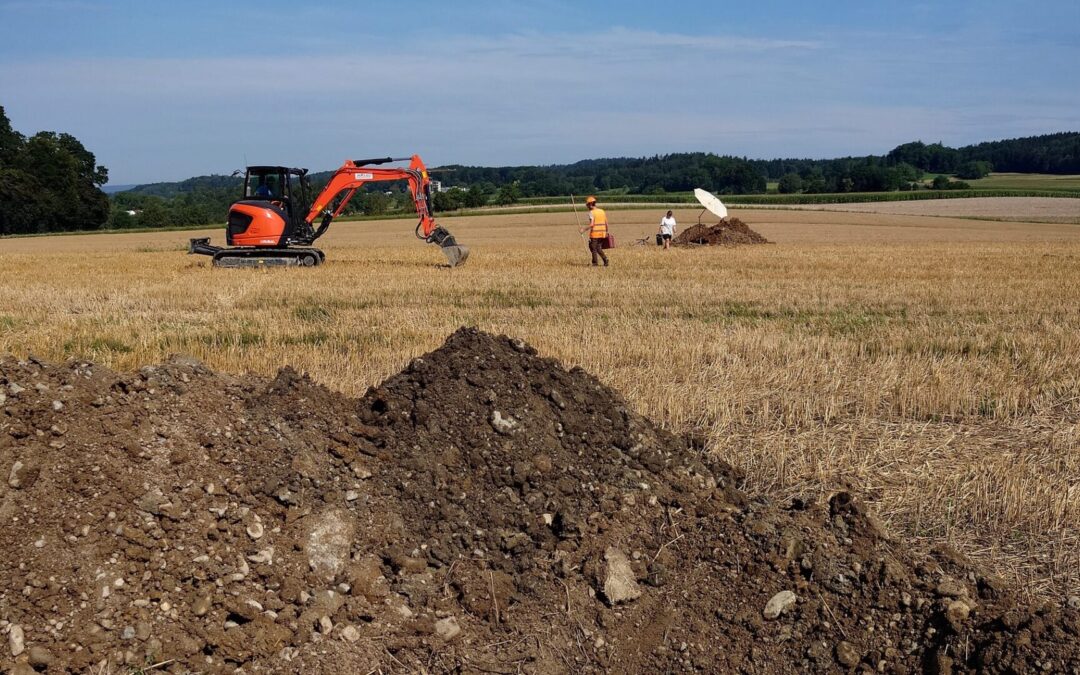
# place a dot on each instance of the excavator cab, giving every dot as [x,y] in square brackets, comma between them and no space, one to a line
[271,210]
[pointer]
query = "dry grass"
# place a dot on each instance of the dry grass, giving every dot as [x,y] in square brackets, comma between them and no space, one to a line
[932,365]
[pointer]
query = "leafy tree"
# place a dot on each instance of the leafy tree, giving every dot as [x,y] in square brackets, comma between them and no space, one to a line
[475,196]
[813,182]
[790,183]
[940,182]
[10,140]
[375,203]
[120,219]
[22,207]
[508,194]
[904,175]
[52,183]
[935,158]
[973,169]
[451,200]
[868,177]
[153,214]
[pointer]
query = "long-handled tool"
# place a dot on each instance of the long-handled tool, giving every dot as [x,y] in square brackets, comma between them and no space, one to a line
[577,216]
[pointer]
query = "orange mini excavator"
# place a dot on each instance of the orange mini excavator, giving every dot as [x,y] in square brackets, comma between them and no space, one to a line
[273,222]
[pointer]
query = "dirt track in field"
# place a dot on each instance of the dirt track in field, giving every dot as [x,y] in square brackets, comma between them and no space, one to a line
[1030,209]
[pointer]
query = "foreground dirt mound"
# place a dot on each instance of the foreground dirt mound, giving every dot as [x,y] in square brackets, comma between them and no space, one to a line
[728,232]
[486,510]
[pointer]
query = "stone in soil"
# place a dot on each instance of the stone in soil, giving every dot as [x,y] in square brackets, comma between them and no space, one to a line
[619,582]
[16,640]
[778,604]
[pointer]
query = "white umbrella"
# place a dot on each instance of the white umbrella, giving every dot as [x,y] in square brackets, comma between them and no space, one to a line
[711,203]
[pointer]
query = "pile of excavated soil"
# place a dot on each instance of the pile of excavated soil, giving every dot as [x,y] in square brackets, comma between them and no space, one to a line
[485,510]
[728,232]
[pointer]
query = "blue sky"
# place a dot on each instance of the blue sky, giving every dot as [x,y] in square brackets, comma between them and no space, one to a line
[164,91]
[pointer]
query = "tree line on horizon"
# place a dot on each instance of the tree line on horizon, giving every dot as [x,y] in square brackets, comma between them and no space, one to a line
[50,183]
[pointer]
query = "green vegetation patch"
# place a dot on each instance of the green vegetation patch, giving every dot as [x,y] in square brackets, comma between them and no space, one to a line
[96,345]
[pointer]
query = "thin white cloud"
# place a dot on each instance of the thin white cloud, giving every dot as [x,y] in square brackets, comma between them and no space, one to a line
[49,5]
[517,61]
[618,40]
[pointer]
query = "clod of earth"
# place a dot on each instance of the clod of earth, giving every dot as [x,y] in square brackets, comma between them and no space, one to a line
[447,628]
[847,654]
[215,523]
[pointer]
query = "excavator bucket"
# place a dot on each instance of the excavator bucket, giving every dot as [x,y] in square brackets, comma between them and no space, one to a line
[455,253]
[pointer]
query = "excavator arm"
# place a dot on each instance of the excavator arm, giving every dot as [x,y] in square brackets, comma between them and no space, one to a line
[354,174]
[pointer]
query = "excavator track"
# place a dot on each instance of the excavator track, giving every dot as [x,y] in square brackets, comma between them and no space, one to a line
[257,257]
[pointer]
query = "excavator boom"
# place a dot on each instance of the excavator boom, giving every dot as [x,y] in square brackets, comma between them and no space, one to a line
[354,174]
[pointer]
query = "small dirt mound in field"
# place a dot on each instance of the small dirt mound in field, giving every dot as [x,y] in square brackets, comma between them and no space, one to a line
[728,232]
[485,510]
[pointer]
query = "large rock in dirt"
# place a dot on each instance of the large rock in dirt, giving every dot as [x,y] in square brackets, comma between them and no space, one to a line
[620,583]
[23,474]
[329,541]
[16,640]
[778,604]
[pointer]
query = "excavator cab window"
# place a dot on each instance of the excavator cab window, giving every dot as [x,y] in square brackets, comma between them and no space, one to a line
[297,191]
[264,183]
[283,187]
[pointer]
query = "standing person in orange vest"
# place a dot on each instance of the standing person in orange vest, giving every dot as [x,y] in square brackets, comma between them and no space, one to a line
[597,230]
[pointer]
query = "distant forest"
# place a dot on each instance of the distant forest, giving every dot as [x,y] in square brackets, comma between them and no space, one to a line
[900,169]
[50,182]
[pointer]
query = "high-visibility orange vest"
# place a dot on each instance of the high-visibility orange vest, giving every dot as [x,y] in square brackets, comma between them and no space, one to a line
[599,224]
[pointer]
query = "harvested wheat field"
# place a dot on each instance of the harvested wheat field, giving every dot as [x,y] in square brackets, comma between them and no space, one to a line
[854,449]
